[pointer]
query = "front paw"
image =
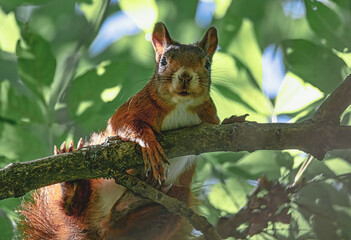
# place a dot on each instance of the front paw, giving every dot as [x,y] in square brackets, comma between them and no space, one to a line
[235,119]
[155,158]
[63,148]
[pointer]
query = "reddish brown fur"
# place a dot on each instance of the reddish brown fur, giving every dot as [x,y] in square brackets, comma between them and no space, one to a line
[70,210]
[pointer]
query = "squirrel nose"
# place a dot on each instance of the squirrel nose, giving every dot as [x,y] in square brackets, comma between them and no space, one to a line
[185,77]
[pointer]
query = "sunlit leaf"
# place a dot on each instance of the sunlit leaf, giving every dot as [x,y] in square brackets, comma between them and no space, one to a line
[346,117]
[90,9]
[338,166]
[9,32]
[318,168]
[36,63]
[295,94]
[300,227]
[87,95]
[234,93]
[306,59]
[244,46]
[221,8]
[144,13]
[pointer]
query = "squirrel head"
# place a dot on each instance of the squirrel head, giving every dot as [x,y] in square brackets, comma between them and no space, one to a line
[183,71]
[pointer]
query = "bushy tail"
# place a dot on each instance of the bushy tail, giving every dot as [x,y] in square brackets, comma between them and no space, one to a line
[41,216]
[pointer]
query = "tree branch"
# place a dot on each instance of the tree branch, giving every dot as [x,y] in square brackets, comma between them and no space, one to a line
[174,206]
[332,108]
[316,136]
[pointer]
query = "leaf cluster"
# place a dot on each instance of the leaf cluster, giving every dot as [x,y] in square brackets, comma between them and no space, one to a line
[55,86]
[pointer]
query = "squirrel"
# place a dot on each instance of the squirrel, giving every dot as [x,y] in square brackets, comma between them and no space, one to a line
[178,95]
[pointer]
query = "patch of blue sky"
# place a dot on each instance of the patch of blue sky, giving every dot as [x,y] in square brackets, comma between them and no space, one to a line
[208,184]
[204,12]
[273,70]
[114,1]
[114,28]
[294,8]
[283,118]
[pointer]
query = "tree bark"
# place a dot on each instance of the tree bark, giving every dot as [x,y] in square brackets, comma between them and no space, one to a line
[315,136]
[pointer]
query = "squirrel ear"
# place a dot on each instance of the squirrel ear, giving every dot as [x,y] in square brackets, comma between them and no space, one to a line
[209,42]
[160,39]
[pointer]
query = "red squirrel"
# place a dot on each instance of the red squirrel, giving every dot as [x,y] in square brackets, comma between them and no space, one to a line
[178,95]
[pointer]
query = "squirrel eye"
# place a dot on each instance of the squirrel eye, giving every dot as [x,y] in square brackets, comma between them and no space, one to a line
[208,65]
[163,61]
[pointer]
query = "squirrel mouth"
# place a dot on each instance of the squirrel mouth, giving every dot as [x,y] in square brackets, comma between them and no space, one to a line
[183,93]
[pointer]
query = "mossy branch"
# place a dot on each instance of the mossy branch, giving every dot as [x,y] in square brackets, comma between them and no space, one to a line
[315,136]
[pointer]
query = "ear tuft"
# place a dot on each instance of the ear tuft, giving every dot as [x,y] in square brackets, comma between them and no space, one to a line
[160,39]
[209,42]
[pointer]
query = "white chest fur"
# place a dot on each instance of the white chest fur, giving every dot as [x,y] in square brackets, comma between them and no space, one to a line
[180,117]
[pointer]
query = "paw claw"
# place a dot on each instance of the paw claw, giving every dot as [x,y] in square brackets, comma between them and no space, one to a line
[71,146]
[154,159]
[56,151]
[63,147]
[165,189]
[80,143]
[147,171]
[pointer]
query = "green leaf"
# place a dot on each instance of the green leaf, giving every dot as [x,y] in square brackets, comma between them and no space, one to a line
[289,98]
[245,46]
[8,65]
[228,28]
[87,94]
[234,91]
[327,24]
[250,9]
[6,227]
[345,4]
[264,163]
[324,227]
[338,166]
[314,64]
[134,8]
[344,218]
[319,199]
[24,142]
[228,93]
[231,195]
[346,117]
[11,5]
[36,63]
[18,105]
[300,227]
[9,32]
[318,167]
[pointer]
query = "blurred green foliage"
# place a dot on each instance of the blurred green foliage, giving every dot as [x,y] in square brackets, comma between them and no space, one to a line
[53,89]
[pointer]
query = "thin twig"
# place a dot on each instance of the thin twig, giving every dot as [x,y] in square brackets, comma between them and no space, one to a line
[144,190]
